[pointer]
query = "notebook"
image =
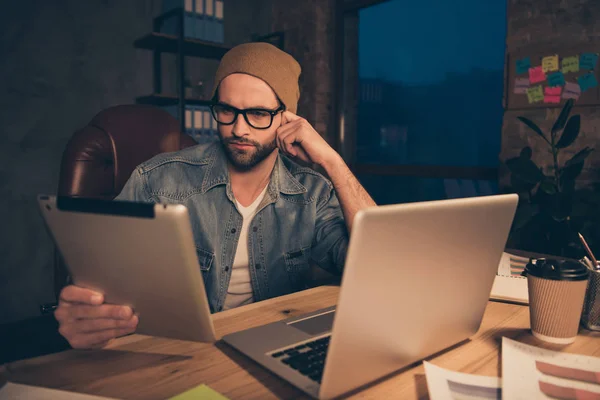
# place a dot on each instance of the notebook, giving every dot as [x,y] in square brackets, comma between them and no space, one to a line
[509,284]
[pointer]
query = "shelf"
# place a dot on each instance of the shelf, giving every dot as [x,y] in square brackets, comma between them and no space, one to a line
[191,47]
[166,100]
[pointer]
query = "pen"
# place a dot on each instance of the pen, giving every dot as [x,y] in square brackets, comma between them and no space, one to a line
[589,251]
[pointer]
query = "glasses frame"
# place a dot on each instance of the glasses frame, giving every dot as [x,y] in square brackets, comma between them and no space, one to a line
[244,112]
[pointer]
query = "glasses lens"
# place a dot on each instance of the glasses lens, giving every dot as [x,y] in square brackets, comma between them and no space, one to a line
[223,114]
[259,118]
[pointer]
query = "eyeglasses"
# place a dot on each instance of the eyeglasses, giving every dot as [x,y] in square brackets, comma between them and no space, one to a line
[258,118]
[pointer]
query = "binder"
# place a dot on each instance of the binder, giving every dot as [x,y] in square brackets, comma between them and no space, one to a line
[207,122]
[219,28]
[197,124]
[188,121]
[170,25]
[209,13]
[200,20]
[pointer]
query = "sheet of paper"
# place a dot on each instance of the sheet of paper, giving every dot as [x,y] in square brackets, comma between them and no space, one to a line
[556,79]
[588,60]
[509,284]
[553,91]
[521,85]
[535,94]
[587,81]
[17,391]
[201,392]
[550,63]
[571,91]
[529,372]
[523,65]
[536,75]
[570,64]
[444,384]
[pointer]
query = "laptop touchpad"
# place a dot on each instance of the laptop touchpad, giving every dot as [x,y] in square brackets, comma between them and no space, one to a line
[314,325]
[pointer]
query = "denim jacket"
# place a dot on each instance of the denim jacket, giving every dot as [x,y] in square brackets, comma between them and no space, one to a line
[298,222]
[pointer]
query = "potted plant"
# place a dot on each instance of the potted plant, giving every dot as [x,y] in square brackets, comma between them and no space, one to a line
[552,208]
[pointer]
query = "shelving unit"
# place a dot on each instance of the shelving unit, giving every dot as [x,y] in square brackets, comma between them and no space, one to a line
[160,43]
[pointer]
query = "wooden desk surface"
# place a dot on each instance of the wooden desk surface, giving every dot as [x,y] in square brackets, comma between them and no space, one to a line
[143,367]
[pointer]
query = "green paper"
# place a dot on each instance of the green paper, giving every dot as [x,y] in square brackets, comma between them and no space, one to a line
[201,392]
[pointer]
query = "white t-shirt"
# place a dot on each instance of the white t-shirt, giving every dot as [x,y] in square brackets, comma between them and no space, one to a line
[239,291]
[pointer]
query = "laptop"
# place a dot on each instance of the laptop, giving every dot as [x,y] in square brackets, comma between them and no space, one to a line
[141,255]
[417,280]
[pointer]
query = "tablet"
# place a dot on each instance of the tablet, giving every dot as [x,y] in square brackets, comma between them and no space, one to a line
[136,254]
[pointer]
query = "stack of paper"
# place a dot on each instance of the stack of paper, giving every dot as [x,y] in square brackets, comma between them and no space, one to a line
[528,372]
[509,284]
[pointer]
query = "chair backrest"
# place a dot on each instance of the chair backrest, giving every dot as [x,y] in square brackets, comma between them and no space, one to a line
[99,158]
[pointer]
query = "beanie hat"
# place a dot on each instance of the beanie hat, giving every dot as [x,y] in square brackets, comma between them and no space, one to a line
[266,62]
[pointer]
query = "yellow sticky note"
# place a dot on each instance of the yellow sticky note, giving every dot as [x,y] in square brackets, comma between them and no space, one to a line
[535,94]
[550,63]
[201,392]
[570,64]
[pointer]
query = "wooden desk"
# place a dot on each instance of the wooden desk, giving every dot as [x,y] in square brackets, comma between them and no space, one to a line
[143,367]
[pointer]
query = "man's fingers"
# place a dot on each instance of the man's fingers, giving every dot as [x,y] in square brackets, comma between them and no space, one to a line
[102,311]
[102,324]
[86,341]
[76,294]
[288,116]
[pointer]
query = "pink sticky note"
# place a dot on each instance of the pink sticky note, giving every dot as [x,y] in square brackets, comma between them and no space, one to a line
[551,99]
[536,75]
[521,85]
[572,91]
[553,91]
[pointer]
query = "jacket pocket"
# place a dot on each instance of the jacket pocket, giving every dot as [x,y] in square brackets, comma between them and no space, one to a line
[297,263]
[205,259]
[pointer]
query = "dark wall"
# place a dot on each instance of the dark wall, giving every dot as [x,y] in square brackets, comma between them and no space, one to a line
[61,62]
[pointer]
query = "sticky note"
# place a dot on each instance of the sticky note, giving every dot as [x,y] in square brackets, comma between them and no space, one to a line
[553,91]
[521,85]
[587,82]
[550,63]
[523,65]
[551,99]
[536,75]
[199,392]
[571,91]
[588,60]
[535,94]
[556,79]
[570,64]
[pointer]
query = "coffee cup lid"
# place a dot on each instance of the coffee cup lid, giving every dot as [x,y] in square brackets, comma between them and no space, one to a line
[559,270]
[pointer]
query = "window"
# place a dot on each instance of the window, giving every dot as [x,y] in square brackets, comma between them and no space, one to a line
[429,97]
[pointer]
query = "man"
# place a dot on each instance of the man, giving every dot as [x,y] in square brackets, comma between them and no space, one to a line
[258,218]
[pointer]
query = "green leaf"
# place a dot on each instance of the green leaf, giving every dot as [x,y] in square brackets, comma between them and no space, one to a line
[526,153]
[548,187]
[580,156]
[534,127]
[525,212]
[568,176]
[525,169]
[562,117]
[570,132]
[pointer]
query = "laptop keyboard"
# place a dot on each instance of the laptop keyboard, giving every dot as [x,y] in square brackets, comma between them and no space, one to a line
[307,358]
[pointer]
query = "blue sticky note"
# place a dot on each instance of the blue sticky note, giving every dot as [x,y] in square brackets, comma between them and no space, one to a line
[588,60]
[523,65]
[587,81]
[556,79]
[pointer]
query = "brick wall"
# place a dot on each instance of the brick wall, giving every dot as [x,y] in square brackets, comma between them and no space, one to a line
[559,24]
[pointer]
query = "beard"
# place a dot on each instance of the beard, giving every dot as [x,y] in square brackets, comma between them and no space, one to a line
[245,160]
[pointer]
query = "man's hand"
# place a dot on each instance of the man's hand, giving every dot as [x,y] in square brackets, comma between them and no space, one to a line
[88,323]
[297,138]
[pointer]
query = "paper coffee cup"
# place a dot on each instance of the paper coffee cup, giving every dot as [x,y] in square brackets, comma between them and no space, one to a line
[556,295]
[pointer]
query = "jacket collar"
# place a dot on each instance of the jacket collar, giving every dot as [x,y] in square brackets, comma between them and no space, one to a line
[282,180]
